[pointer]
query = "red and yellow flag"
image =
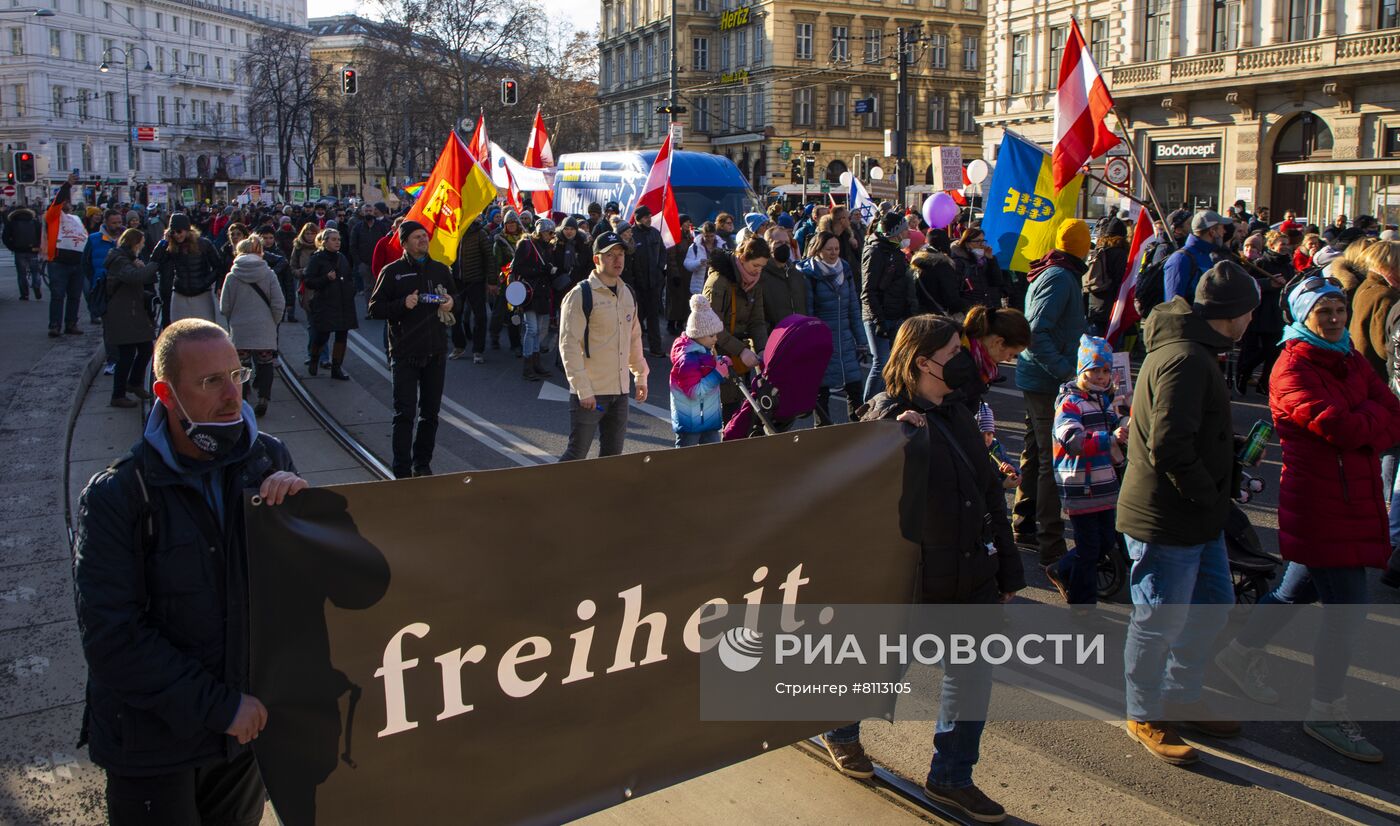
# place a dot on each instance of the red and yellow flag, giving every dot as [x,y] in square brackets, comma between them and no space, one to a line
[456,192]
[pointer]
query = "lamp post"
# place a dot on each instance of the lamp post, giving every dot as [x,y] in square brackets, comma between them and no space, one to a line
[130,110]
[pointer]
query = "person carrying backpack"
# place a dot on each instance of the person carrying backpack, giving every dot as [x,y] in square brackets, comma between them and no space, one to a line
[21,237]
[1209,234]
[1107,266]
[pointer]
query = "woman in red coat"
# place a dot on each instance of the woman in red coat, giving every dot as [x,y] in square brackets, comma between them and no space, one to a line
[1334,416]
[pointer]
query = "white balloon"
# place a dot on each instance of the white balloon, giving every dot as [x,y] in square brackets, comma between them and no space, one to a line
[845,179]
[977,171]
[877,173]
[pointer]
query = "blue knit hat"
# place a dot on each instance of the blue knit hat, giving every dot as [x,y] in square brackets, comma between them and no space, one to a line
[1094,352]
[755,221]
[785,221]
[1302,301]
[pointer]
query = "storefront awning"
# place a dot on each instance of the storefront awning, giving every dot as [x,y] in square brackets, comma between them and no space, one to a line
[1371,166]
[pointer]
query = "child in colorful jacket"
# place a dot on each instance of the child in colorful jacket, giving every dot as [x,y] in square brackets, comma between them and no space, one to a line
[696,374]
[1089,439]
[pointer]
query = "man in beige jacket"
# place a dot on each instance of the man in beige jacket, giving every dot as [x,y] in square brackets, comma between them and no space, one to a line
[600,339]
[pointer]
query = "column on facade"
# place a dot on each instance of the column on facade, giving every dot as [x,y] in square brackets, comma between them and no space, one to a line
[1205,22]
[1276,22]
[1329,19]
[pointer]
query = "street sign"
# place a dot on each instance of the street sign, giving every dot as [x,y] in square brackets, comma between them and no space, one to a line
[677,134]
[826,187]
[865,106]
[1116,171]
[146,134]
[187,195]
[314,193]
[7,190]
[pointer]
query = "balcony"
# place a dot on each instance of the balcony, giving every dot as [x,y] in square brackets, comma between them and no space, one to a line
[1323,57]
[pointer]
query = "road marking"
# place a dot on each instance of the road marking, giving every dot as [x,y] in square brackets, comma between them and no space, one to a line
[30,666]
[22,593]
[502,441]
[551,392]
[50,772]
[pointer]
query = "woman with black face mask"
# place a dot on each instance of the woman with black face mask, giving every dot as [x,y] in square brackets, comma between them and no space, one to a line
[968,555]
[784,289]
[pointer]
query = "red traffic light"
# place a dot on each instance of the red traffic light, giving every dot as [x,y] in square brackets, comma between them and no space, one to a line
[348,81]
[25,157]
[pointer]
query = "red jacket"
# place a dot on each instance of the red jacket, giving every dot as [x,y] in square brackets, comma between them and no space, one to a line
[1334,416]
[387,250]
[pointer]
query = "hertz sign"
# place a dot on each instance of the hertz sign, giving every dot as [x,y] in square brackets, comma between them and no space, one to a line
[734,19]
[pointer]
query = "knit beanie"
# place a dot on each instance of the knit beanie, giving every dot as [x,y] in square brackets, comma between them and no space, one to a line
[785,221]
[1226,291]
[893,224]
[407,228]
[755,221]
[1094,352]
[1301,301]
[702,321]
[1073,237]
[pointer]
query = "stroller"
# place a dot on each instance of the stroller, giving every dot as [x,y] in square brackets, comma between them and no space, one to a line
[785,387]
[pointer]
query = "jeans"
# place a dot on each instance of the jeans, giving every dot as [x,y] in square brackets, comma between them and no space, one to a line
[1037,498]
[417,390]
[709,437]
[31,276]
[474,297]
[1168,645]
[65,294]
[534,326]
[1389,459]
[609,415]
[131,367]
[1395,526]
[1342,592]
[957,736]
[1094,536]
[879,355]
[853,401]
[228,793]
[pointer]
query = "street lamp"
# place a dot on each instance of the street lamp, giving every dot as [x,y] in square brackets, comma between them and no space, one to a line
[104,68]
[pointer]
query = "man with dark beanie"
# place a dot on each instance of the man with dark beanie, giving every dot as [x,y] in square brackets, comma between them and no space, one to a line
[1172,509]
[414,294]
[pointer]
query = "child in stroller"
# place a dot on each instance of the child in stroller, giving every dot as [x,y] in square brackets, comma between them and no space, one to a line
[785,387]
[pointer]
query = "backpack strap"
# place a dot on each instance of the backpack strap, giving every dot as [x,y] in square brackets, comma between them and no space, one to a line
[144,531]
[586,293]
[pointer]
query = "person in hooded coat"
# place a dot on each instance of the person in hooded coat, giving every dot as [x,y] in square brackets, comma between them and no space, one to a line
[253,303]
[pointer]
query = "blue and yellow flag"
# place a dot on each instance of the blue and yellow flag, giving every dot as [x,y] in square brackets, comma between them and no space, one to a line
[1022,210]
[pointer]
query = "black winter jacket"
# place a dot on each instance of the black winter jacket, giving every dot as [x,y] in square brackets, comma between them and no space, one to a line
[938,286]
[534,266]
[363,236]
[957,504]
[649,257]
[22,231]
[475,260]
[187,273]
[415,333]
[332,307]
[886,295]
[165,629]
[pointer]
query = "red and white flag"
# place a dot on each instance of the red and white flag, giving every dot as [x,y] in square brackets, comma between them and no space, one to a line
[1125,312]
[1082,104]
[540,155]
[658,197]
[480,144]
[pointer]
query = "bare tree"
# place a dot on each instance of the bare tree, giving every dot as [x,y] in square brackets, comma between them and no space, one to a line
[284,82]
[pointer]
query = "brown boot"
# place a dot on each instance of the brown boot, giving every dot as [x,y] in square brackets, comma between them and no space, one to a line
[538,367]
[1199,717]
[527,369]
[850,759]
[1163,741]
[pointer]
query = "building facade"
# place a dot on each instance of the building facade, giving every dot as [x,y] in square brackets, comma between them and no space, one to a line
[1291,104]
[75,85]
[757,75]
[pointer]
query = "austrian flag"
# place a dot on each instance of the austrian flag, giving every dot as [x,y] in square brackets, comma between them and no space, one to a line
[1082,104]
[658,197]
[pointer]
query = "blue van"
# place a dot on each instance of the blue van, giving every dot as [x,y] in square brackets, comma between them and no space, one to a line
[705,184]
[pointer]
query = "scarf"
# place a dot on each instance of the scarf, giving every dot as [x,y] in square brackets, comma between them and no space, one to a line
[1299,331]
[986,367]
[833,271]
[1056,258]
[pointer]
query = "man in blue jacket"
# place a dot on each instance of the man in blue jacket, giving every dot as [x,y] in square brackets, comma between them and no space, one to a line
[94,262]
[1055,310]
[1209,232]
[160,575]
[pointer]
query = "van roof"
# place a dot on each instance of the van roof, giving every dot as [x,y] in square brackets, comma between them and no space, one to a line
[692,169]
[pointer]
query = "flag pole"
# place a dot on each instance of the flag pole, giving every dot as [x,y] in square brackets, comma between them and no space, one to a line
[1125,193]
[1147,184]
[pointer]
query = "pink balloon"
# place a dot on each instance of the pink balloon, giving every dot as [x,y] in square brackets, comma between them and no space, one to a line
[940,210]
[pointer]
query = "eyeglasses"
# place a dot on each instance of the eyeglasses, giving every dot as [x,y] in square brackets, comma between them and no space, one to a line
[1318,282]
[239,377]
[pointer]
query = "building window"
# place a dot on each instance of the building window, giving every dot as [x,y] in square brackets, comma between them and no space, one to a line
[1304,19]
[83,95]
[1098,41]
[107,11]
[636,63]
[113,163]
[664,46]
[80,53]
[179,109]
[1226,20]
[873,120]
[875,45]
[61,151]
[1155,24]
[633,117]
[21,98]
[938,51]
[971,5]
[940,4]
[837,104]
[85,158]
[17,42]
[1390,14]
[802,107]
[741,47]
[937,113]
[1057,55]
[967,115]
[725,43]
[1018,63]
[55,43]
[651,58]
[804,41]
[970,60]
[741,111]
[702,5]
[607,73]
[58,105]
[840,44]
[233,117]
[700,54]
[702,115]
[160,21]
[759,46]
[160,110]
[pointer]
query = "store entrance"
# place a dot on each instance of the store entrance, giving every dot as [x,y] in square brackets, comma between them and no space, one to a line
[1194,185]
[1306,137]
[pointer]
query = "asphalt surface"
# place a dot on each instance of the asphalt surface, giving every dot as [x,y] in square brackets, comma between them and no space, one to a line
[1067,771]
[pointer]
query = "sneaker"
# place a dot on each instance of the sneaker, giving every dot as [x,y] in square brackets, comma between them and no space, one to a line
[457,352]
[478,358]
[109,368]
[1200,718]
[1052,573]
[1163,742]
[1247,668]
[123,401]
[849,759]
[139,392]
[1331,725]
[425,470]
[969,800]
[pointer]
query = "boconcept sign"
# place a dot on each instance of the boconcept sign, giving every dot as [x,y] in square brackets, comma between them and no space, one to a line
[1208,150]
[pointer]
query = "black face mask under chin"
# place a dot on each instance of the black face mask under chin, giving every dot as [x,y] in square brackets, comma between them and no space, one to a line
[218,439]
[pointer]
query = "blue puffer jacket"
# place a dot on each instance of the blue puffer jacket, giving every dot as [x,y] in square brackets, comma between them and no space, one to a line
[1055,310]
[1184,268]
[695,381]
[839,309]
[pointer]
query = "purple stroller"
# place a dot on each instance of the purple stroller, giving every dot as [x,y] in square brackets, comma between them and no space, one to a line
[785,388]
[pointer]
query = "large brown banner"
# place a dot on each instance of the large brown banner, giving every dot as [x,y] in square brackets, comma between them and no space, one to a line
[520,646]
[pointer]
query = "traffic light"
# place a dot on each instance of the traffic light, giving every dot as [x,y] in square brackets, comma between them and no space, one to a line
[796,171]
[811,167]
[510,93]
[9,177]
[349,81]
[24,168]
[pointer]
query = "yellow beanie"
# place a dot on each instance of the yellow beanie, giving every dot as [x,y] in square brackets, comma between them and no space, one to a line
[1073,238]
